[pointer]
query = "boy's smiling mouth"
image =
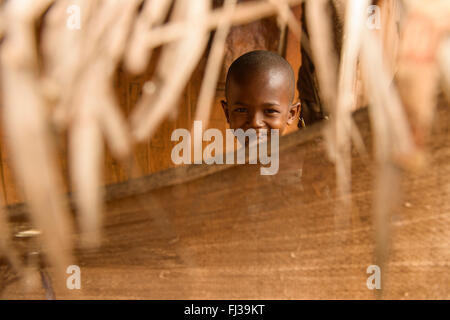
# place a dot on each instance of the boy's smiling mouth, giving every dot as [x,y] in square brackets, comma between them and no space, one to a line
[249,144]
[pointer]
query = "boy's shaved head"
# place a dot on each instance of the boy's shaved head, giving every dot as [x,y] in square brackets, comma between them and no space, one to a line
[260,62]
[259,92]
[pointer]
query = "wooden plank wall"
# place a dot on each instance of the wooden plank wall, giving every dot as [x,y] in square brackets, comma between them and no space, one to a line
[154,154]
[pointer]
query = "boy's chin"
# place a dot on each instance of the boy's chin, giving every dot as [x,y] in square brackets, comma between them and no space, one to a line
[263,137]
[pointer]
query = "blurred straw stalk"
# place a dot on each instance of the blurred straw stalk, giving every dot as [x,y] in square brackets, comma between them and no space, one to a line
[24,120]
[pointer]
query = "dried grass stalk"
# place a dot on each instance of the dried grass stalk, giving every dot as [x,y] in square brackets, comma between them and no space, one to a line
[346,92]
[418,74]
[322,49]
[138,54]
[287,17]
[112,122]
[65,54]
[214,64]
[178,58]
[25,121]
[97,114]
[86,159]
[326,64]
[392,137]
[391,128]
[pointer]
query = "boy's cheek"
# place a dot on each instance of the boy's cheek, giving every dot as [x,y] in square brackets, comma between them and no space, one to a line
[237,122]
[277,123]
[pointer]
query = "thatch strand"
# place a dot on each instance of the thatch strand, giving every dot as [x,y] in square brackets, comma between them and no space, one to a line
[326,63]
[339,134]
[286,16]
[97,113]
[322,49]
[418,74]
[214,64]
[179,57]
[24,120]
[392,140]
[138,54]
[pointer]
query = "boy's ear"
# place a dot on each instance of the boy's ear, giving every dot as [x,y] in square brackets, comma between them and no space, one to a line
[225,109]
[294,112]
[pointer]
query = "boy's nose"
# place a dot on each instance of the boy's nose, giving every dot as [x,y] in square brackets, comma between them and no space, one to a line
[256,121]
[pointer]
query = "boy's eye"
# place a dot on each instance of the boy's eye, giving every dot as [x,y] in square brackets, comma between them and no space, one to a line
[240,110]
[271,111]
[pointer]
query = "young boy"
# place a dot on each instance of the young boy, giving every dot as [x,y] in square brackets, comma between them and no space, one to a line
[259,91]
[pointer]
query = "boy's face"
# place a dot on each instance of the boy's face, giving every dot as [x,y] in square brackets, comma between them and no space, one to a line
[261,100]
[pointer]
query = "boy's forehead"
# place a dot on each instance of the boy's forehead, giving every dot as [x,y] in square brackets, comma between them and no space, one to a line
[262,73]
[258,83]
